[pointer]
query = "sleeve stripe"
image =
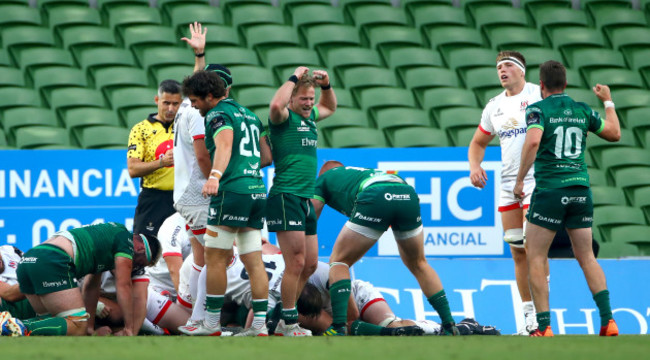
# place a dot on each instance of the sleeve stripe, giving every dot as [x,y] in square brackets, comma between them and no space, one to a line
[221,129]
[172,254]
[140,280]
[483,130]
[121,254]
[197,137]
[602,126]
[319,198]
[535,126]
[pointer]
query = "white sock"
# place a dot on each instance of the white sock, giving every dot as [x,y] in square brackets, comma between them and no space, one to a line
[430,327]
[529,308]
[198,310]
[194,279]
[150,328]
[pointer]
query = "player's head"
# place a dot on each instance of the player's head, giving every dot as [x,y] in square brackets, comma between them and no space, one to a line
[224,74]
[310,302]
[168,99]
[204,89]
[303,96]
[511,68]
[552,77]
[147,250]
[330,164]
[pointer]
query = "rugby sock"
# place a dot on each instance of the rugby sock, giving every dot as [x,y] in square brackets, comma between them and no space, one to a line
[259,312]
[149,328]
[290,316]
[544,320]
[52,326]
[359,327]
[602,301]
[441,305]
[340,295]
[198,309]
[213,305]
[194,280]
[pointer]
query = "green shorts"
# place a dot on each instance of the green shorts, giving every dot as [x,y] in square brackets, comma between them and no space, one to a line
[20,309]
[554,209]
[237,210]
[45,269]
[382,205]
[288,212]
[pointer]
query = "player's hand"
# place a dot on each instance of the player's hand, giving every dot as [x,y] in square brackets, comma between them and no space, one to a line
[478,177]
[321,77]
[103,331]
[168,159]
[197,39]
[602,91]
[518,191]
[300,71]
[124,332]
[210,188]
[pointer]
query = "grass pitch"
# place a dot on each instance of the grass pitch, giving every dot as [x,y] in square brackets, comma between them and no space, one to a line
[571,347]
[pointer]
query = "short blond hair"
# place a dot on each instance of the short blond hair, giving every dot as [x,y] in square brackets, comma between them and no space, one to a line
[304,82]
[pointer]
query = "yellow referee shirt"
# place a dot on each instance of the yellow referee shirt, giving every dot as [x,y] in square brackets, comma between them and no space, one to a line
[149,139]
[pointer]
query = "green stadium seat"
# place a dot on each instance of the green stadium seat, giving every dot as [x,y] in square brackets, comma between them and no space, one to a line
[258,96]
[615,78]
[137,114]
[434,100]
[3,141]
[597,177]
[457,118]
[366,17]
[627,99]
[444,38]
[583,95]
[484,82]
[245,16]
[105,5]
[37,57]
[174,72]
[305,16]
[377,98]
[167,6]
[344,98]
[630,179]
[508,37]
[5,59]
[262,38]
[597,144]
[123,17]
[589,59]
[418,137]
[79,118]
[536,56]
[350,6]
[290,5]
[629,39]
[110,78]
[531,6]
[638,121]
[18,96]
[244,76]
[616,250]
[11,77]
[463,59]
[364,77]
[608,195]
[62,17]
[65,99]
[139,37]
[128,98]
[344,58]
[464,136]
[637,235]
[389,119]
[231,55]
[488,17]
[471,6]
[357,138]
[431,16]
[77,38]
[103,137]
[412,7]
[641,198]
[607,217]
[181,16]
[410,57]
[46,79]
[160,56]
[343,118]
[422,78]
[13,15]
[94,58]
[283,58]
[384,38]
[32,137]
[324,37]
[18,38]
[228,5]
[616,158]
[550,17]
[19,117]
[222,35]
[612,16]
[644,136]
[571,38]
[573,78]
[593,5]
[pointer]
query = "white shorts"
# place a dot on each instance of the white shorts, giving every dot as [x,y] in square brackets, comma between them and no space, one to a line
[157,306]
[507,199]
[196,217]
[365,294]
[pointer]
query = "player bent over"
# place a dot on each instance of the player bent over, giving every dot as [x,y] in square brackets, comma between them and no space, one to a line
[373,201]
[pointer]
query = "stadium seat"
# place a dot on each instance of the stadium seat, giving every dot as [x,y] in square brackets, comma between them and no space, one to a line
[597,144]
[638,120]
[384,38]
[64,99]
[549,17]
[583,95]
[364,77]
[344,98]
[637,235]
[228,5]
[641,198]
[573,78]
[382,97]
[629,39]
[17,38]
[593,5]
[244,76]
[457,118]
[413,6]
[281,58]
[616,158]
[11,77]
[329,36]
[463,59]
[630,98]
[128,98]
[444,38]
[463,137]
[137,114]
[253,97]
[245,16]
[422,78]
[139,37]
[62,17]
[34,58]
[597,177]
[77,38]
[123,17]
[608,195]
[110,78]
[13,15]
[615,78]
[46,79]
[167,6]
[105,5]
[357,138]
[305,16]
[5,59]
[103,137]
[616,250]
[18,96]
[409,57]
[589,59]
[435,15]
[231,55]
[434,100]
[95,58]
[174,72]
[290,5]
[607,217]
[160,56]
[31,137]
[389,119]
[343,118]
[418,137]
[18,2]
[181,16]
[349,6]
[612,16]
[571,38]
[470,6]
[262,38]
[532,6]
[79,118]
[3,141]
[536,56]
[508,37]
[344,58]
[630,179]
[19,117]
[484,82]
[488,17]
[366,17]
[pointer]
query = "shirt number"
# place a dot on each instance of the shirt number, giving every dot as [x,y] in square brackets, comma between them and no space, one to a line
[568,143]
[269,265]
[253,133]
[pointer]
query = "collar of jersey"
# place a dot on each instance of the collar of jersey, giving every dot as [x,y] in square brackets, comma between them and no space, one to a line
[152,119]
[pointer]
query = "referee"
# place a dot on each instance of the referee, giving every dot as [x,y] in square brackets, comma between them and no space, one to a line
[150,157]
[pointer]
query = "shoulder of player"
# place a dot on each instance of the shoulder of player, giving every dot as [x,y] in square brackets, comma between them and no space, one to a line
[493,102]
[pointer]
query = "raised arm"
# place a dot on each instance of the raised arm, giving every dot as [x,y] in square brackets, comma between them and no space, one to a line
[278,111]
[612,129]
[327,102]
[197,42]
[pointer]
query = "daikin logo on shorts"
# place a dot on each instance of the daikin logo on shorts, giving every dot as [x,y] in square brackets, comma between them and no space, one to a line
[391,197]
[359,215]
[546,219]
[234,218]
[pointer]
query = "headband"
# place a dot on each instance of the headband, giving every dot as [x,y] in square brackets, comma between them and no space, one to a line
[514,61]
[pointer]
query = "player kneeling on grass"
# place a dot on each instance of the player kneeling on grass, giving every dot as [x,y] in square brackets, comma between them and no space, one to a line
[48,276]
[374,200]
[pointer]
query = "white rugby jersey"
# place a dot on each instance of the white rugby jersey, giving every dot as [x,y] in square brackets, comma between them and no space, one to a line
[174,242]
[504,116]
[11,261]
[239,289]
[188,179]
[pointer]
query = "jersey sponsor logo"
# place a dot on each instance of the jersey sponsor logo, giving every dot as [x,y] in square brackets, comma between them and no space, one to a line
[295,223]
[258,196]
[360,216]
[309,142]
[48,284]
[217,122]
[391,197]
[532,116]
[523,105]
[573,200]
[303,126]
[576,166]
[254,173]
[543,218]
[12,264]
[569,120]
[499,112]
[234,217]
[28,260]
[510,129]
[588,219]
[273,222]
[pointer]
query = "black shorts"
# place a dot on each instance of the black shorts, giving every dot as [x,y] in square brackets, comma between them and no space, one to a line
[154,206]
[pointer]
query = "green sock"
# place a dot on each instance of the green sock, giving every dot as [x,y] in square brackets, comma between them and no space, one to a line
[441,305]
[52,326]
[259,312]
[544,320]
[290,316]
[213,305]
[359,327]
[339,295]
[602,301]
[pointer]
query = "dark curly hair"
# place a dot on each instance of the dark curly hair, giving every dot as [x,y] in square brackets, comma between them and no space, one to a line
[202,83]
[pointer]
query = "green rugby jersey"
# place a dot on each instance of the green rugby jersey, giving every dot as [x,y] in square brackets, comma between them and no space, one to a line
[293,145]
[561,155]
[99,245]
[243,174]
[338,187]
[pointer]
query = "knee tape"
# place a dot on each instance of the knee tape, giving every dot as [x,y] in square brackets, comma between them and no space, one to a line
[389,320]
[249,241]
[515,237]
[224,239]
[79,314]
[403,235]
